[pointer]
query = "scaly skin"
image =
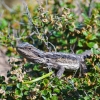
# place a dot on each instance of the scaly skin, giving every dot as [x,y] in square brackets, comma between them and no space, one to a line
[56,60]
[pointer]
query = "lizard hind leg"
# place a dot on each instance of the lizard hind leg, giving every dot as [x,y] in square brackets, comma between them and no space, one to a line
[83,69]
[60,72]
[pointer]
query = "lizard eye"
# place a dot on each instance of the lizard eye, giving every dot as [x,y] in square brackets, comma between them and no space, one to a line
[29,48]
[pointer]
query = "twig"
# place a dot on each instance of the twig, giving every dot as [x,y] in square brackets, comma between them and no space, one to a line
[8,8]
[34,27]
[52,46]
[37,79]
[72,83]
[28,13]
[32,81]
[90,8]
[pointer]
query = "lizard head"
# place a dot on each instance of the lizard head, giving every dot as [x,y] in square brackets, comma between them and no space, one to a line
[23,46]
[25,49]
[28,51]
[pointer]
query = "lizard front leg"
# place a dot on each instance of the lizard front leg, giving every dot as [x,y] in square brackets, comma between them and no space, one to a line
[49,68]
[60,71]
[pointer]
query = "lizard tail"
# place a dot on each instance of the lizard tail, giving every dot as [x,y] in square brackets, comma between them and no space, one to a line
[86,54]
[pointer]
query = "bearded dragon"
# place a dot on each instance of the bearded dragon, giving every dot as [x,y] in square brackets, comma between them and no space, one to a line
[56,60]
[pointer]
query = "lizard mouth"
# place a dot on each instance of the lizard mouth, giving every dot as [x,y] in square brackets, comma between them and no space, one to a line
[22,48]
[20,51]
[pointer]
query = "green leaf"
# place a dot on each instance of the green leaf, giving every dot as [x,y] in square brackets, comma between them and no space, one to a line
[93,37]
[45,98]
[13,77]
[96,46]
[95,51]
[3,23]
[36,68]
[86,18]
[56,90]
[45,82]
[70,15]
[54,97]
[79,51]
[26,92]
[57,34]
[71,28]
[80,44]
[86,98]
[44,92]
[19,85]
[18,92]
[27,65]
[72,41]
[91,44]
[63,42]
[3,87]
[85,33]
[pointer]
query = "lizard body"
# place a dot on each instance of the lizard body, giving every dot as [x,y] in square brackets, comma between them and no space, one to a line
[56,60]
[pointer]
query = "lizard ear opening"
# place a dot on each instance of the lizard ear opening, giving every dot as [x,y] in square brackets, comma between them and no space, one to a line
[29,48]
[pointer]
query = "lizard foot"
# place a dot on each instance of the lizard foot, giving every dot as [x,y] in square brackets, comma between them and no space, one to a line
[60,72]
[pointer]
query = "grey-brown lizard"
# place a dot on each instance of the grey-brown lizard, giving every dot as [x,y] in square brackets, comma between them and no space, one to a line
[56,60]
